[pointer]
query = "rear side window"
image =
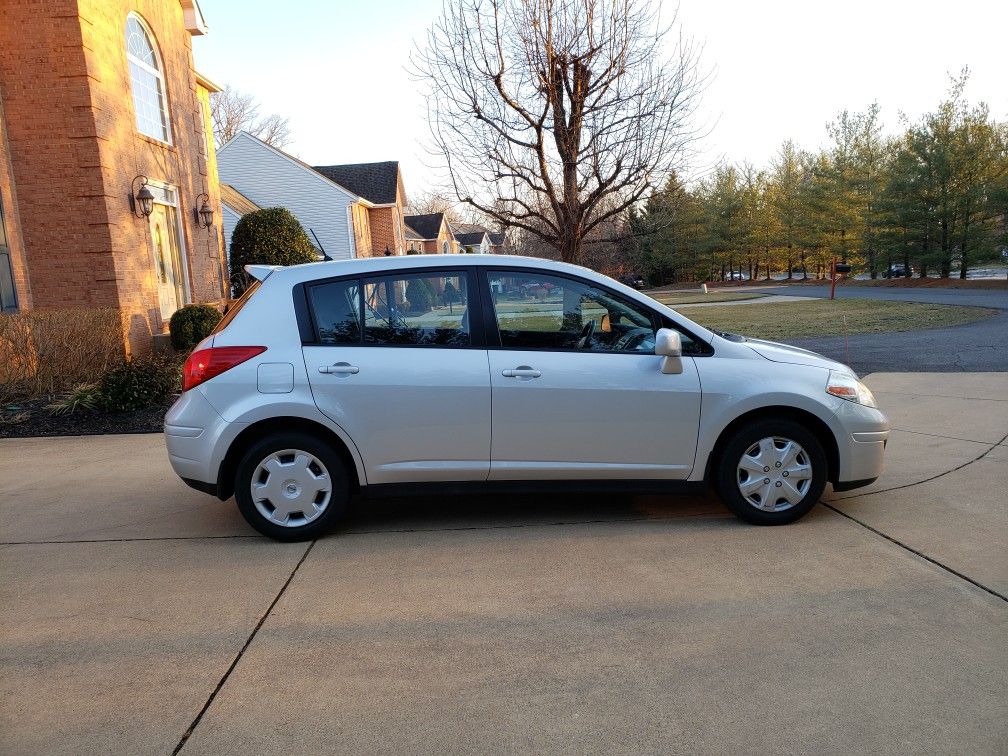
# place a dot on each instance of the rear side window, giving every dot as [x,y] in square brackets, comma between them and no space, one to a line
[418,309]
[337,311]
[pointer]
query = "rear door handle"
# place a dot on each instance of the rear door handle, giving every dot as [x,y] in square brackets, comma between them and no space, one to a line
[522,371]
[340,368]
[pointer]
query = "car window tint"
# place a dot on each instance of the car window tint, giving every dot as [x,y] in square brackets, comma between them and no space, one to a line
[539,311]
[417,310]
[336,306]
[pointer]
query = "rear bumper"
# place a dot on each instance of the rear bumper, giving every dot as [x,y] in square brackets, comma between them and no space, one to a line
[193,429]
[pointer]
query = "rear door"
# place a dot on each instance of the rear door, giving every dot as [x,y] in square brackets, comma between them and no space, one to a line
[397,362]
[577,389]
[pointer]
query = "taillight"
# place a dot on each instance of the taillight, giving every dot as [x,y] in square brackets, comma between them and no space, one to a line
[204,364]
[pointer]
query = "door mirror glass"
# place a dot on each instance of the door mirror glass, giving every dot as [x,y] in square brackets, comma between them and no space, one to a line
[668,343]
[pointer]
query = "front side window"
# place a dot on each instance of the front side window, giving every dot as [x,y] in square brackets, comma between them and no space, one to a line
[147,81]
[539,311]
[420,309]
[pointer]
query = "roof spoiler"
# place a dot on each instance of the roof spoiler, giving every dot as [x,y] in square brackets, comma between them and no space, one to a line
[261,272]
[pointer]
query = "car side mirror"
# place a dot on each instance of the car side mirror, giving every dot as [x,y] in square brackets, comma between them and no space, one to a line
[668,344]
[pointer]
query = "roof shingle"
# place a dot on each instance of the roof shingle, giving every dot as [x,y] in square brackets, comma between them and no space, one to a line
[375,182]
[427,226]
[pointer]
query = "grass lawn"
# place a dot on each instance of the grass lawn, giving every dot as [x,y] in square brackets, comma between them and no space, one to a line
[822,317]
[673,298]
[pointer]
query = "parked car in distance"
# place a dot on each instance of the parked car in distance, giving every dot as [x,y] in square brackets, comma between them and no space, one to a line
[736,275]
[898,270]
[326,380]
[634,282]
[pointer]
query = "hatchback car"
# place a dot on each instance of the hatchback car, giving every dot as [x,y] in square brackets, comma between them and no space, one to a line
[412,374]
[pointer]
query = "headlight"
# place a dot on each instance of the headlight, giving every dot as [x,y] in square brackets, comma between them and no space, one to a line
[846,386]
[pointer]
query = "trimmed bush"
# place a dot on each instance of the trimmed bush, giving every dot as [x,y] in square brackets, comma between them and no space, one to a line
[140,383]
[420,295]
[191,324]
[272,236]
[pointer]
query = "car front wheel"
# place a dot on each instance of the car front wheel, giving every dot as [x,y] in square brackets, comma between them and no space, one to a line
[291,487]
[772,472]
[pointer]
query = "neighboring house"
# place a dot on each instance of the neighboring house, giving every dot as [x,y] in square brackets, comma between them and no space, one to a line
[476,239]
[433,234]
[234,205]
[381,185]
[99,96]
[354,210]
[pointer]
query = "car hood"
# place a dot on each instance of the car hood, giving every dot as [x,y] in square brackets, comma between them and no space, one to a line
[775,352]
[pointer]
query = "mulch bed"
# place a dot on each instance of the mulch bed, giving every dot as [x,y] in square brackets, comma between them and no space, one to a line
[31,418]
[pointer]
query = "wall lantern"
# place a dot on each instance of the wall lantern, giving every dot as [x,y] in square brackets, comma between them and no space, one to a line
[388,252]
[142,201]
[203,215]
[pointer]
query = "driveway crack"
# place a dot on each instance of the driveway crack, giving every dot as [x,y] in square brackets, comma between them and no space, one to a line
[980,456]
[248,642]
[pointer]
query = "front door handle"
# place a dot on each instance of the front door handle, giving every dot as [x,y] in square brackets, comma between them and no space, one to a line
[522,371]
[340,368]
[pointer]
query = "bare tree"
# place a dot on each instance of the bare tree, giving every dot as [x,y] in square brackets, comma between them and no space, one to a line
[555,116]
[435,202]
[231,112]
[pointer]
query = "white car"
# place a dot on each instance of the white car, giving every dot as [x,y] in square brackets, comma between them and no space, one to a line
[435,372]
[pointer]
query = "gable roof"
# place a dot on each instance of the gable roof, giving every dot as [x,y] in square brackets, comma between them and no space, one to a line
[471,238]
[428,226]
[497,239]
[375,182]
[236,200]
[412,233]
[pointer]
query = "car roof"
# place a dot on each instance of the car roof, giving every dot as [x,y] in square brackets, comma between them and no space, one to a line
[313,271]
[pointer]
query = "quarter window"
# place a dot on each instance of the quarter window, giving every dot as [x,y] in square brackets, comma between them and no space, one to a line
[539,311]
[146,81]
[337,312]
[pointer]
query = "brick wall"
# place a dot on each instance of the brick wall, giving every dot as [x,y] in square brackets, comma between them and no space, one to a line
[75,150]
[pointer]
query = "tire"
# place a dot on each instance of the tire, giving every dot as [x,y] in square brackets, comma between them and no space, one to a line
[301,486]
[785,498]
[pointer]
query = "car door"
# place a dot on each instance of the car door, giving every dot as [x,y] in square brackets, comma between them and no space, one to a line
[577,389]
[395,362]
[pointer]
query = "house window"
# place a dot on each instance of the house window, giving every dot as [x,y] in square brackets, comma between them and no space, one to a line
[8,296]
[446,248]
[147,81]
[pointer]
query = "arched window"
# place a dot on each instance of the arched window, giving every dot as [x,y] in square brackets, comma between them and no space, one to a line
[147,81]
[445,248]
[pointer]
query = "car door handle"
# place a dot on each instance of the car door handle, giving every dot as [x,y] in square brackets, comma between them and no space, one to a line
[340,368]
[522,371]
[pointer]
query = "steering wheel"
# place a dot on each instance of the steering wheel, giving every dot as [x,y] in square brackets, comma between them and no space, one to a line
[586,334]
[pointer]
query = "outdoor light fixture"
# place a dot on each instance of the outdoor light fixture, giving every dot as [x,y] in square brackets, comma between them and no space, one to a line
[204,213]
[142,201]
[388,252]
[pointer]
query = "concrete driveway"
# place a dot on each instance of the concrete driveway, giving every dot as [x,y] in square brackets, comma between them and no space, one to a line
[139,616]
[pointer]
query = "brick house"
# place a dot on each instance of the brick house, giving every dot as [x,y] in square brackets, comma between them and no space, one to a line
[96,98]
[431,234]
[350,210]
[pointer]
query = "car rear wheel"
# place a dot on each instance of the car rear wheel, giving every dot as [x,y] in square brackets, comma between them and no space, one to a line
[291,487]
[772,472]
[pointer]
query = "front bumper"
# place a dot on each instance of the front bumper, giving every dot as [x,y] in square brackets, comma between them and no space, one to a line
[862,434]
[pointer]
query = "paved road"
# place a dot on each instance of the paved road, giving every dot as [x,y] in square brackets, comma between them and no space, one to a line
[968,297]
[980,346]
[137,615]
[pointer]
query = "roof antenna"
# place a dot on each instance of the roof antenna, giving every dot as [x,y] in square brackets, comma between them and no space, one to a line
[324,255]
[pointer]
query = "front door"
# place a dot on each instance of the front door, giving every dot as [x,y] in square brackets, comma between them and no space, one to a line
[394,364]
[167,249]
[577,389]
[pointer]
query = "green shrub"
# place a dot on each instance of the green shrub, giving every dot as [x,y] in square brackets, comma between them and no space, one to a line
[191,324]
[420,295]
[140,383]
[272,236]
[83,397]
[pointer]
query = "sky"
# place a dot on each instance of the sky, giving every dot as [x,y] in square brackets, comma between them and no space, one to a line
[338,69]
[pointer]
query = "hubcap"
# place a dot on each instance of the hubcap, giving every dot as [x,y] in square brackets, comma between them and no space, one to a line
[774,474]
[291,488]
